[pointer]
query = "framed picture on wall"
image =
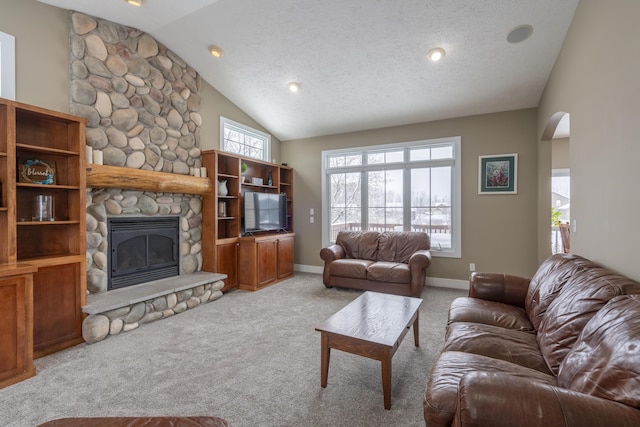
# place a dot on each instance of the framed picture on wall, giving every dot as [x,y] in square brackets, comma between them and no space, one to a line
[498,174]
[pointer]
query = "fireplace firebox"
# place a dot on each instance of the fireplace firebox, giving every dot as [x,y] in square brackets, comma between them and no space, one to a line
[142,249]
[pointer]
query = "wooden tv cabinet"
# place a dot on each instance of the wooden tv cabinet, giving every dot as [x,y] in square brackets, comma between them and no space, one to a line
[265,260]
[250,262]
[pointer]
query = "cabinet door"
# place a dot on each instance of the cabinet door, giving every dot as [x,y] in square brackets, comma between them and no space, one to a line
[285,257]
[57,314]
[16,360]
[267,261]
[228,264]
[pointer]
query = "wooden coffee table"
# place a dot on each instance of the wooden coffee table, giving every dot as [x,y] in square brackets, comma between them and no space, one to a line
[373,325]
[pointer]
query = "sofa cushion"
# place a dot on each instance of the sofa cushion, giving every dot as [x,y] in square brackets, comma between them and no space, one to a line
[441,396]
[399,246]
[359,244]
[580,299]
[352,268]
[547,282]
[605,361]
[510,345]
[468,309]
[392,272]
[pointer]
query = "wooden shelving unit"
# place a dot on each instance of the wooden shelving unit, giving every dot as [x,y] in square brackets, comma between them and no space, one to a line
[224,247]
[55,248]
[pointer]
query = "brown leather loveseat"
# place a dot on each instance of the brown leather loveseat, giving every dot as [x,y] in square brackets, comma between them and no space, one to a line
[560,349]
[390,262]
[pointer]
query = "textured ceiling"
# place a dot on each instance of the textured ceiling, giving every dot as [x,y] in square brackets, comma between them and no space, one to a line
[361,63]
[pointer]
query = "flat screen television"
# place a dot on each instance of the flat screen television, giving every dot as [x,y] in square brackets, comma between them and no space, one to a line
[264,212]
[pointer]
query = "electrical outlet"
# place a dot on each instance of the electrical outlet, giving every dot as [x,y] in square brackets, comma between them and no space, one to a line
[472,266]
[311,211]
[311,220]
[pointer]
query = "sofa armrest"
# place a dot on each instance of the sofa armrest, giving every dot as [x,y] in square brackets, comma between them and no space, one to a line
[418,263]
[420,259]
[499,287]
[500,399]
[332,253]
[328,255]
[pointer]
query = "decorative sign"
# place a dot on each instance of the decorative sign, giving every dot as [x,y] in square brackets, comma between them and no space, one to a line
[35,171]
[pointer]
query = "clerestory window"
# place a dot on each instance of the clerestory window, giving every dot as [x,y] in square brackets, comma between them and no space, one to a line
[244,140]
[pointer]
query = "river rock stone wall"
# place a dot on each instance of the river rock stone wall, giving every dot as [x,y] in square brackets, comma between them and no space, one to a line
[141,103]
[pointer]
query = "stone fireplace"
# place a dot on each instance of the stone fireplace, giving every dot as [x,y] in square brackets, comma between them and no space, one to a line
[108,205]
[141,102]
[142,249]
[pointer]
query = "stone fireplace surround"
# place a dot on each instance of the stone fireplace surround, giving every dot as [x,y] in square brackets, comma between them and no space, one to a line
[141,103]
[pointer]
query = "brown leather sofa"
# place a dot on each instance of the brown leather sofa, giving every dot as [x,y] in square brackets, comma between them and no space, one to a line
[560,349]
[390,262]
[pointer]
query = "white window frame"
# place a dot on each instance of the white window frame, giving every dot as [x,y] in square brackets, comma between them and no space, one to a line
[7,66]
[456,217]
[247,130]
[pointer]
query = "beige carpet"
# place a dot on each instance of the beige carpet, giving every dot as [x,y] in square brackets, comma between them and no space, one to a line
[251,358]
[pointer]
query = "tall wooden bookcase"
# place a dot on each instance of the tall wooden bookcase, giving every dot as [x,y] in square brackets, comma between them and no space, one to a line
[250,262]
[56,248]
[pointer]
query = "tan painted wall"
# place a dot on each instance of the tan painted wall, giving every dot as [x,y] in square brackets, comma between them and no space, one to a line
[42,52]
[560,154]
[42,68]
[602,94]
[498,231]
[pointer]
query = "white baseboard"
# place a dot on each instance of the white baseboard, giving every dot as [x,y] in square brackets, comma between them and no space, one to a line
[431,281]
[448,283]
[307,268]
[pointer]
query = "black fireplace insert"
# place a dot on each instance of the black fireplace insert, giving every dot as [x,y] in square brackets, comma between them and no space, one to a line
[142,249]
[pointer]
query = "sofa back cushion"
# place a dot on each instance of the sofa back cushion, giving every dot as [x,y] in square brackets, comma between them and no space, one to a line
[359,244]
[583,295]
[398,246]
[547,282]
[605,361]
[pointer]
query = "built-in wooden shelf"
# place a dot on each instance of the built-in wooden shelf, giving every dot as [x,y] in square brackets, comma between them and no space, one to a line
[39,149]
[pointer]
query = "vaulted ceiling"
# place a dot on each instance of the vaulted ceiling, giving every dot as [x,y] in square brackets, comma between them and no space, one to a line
[361,64]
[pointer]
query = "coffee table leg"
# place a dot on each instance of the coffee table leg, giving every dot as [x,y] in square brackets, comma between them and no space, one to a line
[325,353]
[386,380]
[416,334]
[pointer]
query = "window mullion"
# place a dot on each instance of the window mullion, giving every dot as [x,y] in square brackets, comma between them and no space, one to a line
[406,206]
[364,194]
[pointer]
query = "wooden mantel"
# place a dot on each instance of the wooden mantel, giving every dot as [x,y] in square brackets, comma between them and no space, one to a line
[102,176]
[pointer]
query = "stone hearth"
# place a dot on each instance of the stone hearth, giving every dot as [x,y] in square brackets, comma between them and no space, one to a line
[125,309]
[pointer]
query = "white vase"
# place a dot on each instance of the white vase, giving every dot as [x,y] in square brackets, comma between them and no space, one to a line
[222,188]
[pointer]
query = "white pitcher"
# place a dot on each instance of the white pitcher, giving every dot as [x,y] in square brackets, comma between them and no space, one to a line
[222,188]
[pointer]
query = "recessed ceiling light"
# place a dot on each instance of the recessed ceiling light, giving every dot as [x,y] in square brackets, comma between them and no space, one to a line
[435,54]
[519,33]
[294,86]
[135,2]
[216,51]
